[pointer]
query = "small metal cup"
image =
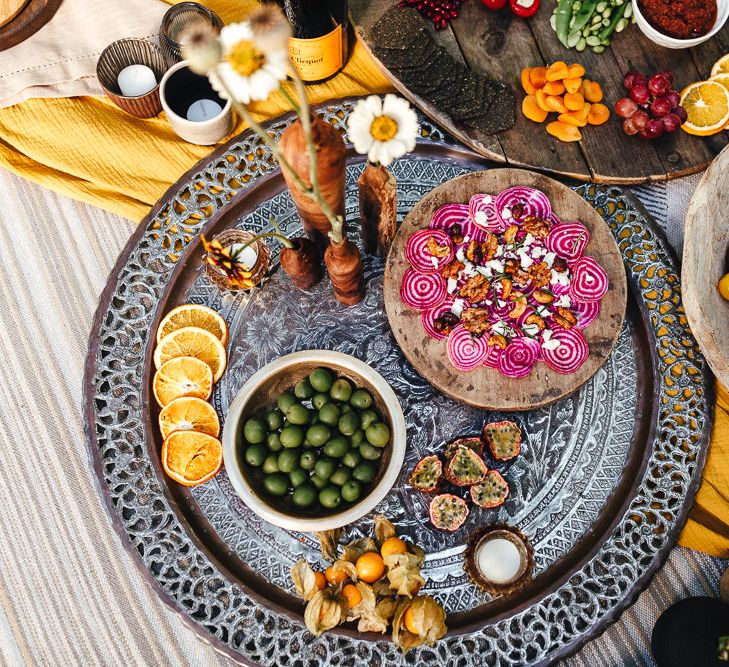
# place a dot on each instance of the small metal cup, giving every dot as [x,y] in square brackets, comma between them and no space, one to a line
[120,54]
[176,20]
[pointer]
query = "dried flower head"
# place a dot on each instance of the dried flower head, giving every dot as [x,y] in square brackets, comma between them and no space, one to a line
[270,27]
[201,47]
[237,273]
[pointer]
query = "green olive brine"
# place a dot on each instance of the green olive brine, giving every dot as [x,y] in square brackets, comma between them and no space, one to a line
[319,443]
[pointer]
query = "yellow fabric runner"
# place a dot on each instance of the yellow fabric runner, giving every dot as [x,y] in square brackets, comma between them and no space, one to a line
[88,149]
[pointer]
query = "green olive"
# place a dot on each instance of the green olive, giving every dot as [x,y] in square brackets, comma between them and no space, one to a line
[368,417]
[357,438]
[270,465]
[318,482]
[304,495]
[361,399]
[292,436]
[317,435]
[274,420]
[369,452]
[330,497]
[337,447]
[351,491]
[298,414]
[329,414]
[341,391]
[285,401]
[276,484]
[303,390]
[324,468]
[365,472]
[288,460]
[256,455]
[352,458]
[346,408]
[308,460]
[378,434]
[340,476]
[321,379]
[254,430]
[298,477]
[349,423]
[273,440]
[320,400]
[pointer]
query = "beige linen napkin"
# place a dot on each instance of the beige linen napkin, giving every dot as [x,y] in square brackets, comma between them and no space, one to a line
[60,59]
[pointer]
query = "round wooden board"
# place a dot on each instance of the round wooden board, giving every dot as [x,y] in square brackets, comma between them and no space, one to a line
[705,261]
[486,387]
[9,9]
[29,18]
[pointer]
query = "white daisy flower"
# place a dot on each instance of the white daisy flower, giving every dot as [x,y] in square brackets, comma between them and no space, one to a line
[383,130]
[248,71]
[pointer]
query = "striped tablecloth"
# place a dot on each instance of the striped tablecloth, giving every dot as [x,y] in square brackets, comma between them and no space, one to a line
[69,593]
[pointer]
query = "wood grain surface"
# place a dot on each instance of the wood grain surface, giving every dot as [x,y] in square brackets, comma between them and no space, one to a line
[28,19]
[705,261]
[9,9]
[499,45]
[486,387]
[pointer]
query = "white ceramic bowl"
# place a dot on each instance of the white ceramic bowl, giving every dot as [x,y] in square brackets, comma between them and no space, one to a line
[260,391]
[671,42]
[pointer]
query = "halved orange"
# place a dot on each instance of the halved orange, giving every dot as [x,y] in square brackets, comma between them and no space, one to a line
[721,65]
[192,342]
[182,376]
[191,458]
[707,106]
[189,414]
[193,315]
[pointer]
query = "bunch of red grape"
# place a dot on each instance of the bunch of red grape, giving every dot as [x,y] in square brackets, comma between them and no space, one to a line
[652,106]
[438,12]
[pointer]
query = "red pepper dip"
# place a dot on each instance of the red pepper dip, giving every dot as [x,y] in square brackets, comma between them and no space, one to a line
[682,19]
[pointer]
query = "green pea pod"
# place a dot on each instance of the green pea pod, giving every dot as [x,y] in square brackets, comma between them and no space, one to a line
[610,27]
[564,14]
[584,15]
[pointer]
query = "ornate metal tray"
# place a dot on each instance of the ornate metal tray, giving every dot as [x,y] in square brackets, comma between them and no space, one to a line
[602,488]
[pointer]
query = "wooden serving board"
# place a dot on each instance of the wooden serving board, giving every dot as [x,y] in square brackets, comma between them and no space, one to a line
[705,261]
[19,19]
[499,45]
[486,387]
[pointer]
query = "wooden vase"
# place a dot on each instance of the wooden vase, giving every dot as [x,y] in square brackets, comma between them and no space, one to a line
[377,209]
[331,164]
[344,264]
[302,263]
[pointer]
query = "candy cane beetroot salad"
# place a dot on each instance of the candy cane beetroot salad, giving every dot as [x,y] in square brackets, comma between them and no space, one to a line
[681,19]
[506,282]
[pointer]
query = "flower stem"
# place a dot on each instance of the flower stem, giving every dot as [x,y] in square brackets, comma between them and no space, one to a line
[269,235]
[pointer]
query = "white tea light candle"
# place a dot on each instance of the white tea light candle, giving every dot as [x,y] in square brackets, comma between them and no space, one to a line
[247,256]
[203,110]
[498,560]
[136,80]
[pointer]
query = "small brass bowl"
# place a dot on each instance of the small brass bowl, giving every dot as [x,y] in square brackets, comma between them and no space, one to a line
[177,20]
[120,54]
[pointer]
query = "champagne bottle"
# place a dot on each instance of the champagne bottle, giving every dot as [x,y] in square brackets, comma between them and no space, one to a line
[319,46]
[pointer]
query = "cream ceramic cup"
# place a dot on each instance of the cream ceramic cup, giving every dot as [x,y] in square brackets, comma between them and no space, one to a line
[178,90]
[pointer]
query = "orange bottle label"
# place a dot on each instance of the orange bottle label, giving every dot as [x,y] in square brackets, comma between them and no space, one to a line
[319,58]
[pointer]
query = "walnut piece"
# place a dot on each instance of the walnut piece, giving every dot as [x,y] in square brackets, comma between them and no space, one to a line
[475,321]
[436,249]
[452,269]
[497,340]
[565,318]
[510,233]
[537,227]
[475,289]
[540,274]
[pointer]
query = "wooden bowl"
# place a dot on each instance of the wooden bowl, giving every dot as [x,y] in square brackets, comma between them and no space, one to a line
[705,261]
[486,387]
[120,54]
[261,390]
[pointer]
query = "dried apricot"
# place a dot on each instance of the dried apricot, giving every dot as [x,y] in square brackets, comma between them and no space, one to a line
[574,101]
[591,90]
[575,71]
[554,88]
[571,119]
[532,110]
[538,76]
[598,114]
[541,99]
[555,103]
[557,71]
[563,132]
[526,83]
[572,85]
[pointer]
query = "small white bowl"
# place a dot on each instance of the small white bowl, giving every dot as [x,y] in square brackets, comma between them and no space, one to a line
[260,390]
[671,42]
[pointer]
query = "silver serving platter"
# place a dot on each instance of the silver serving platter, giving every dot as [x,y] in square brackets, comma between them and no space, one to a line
[601,488]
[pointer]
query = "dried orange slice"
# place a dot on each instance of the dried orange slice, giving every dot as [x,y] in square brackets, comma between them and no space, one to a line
[721,65]
[182,376]
[189,414]
[192,342]
[191,458]
[707,106]
[193,315]
[722,78]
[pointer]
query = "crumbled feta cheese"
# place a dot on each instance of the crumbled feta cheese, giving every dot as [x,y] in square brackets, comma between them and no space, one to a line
[549,258]
[452,284]
[488,302]
[485,271]
[499,251]
[457,307]
[538,251]
[560,278]
[563,301]
[466,238]
[435,262]
[526,261]
[496,265]
[506,213]
[549,343]
[470,269]
[461,254]
[500,303]
[528,240]
[542,311]
[481,218]
[531,329]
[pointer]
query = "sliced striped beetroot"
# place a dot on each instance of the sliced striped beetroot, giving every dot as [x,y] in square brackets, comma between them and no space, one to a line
[422,291]
[589,280]
[452,218]
[586,312]
[492,360]
[568,240]
[465,351]
[571,352]
[514,204]
[483,214]
[519,357]
[421,247]
[429,317]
